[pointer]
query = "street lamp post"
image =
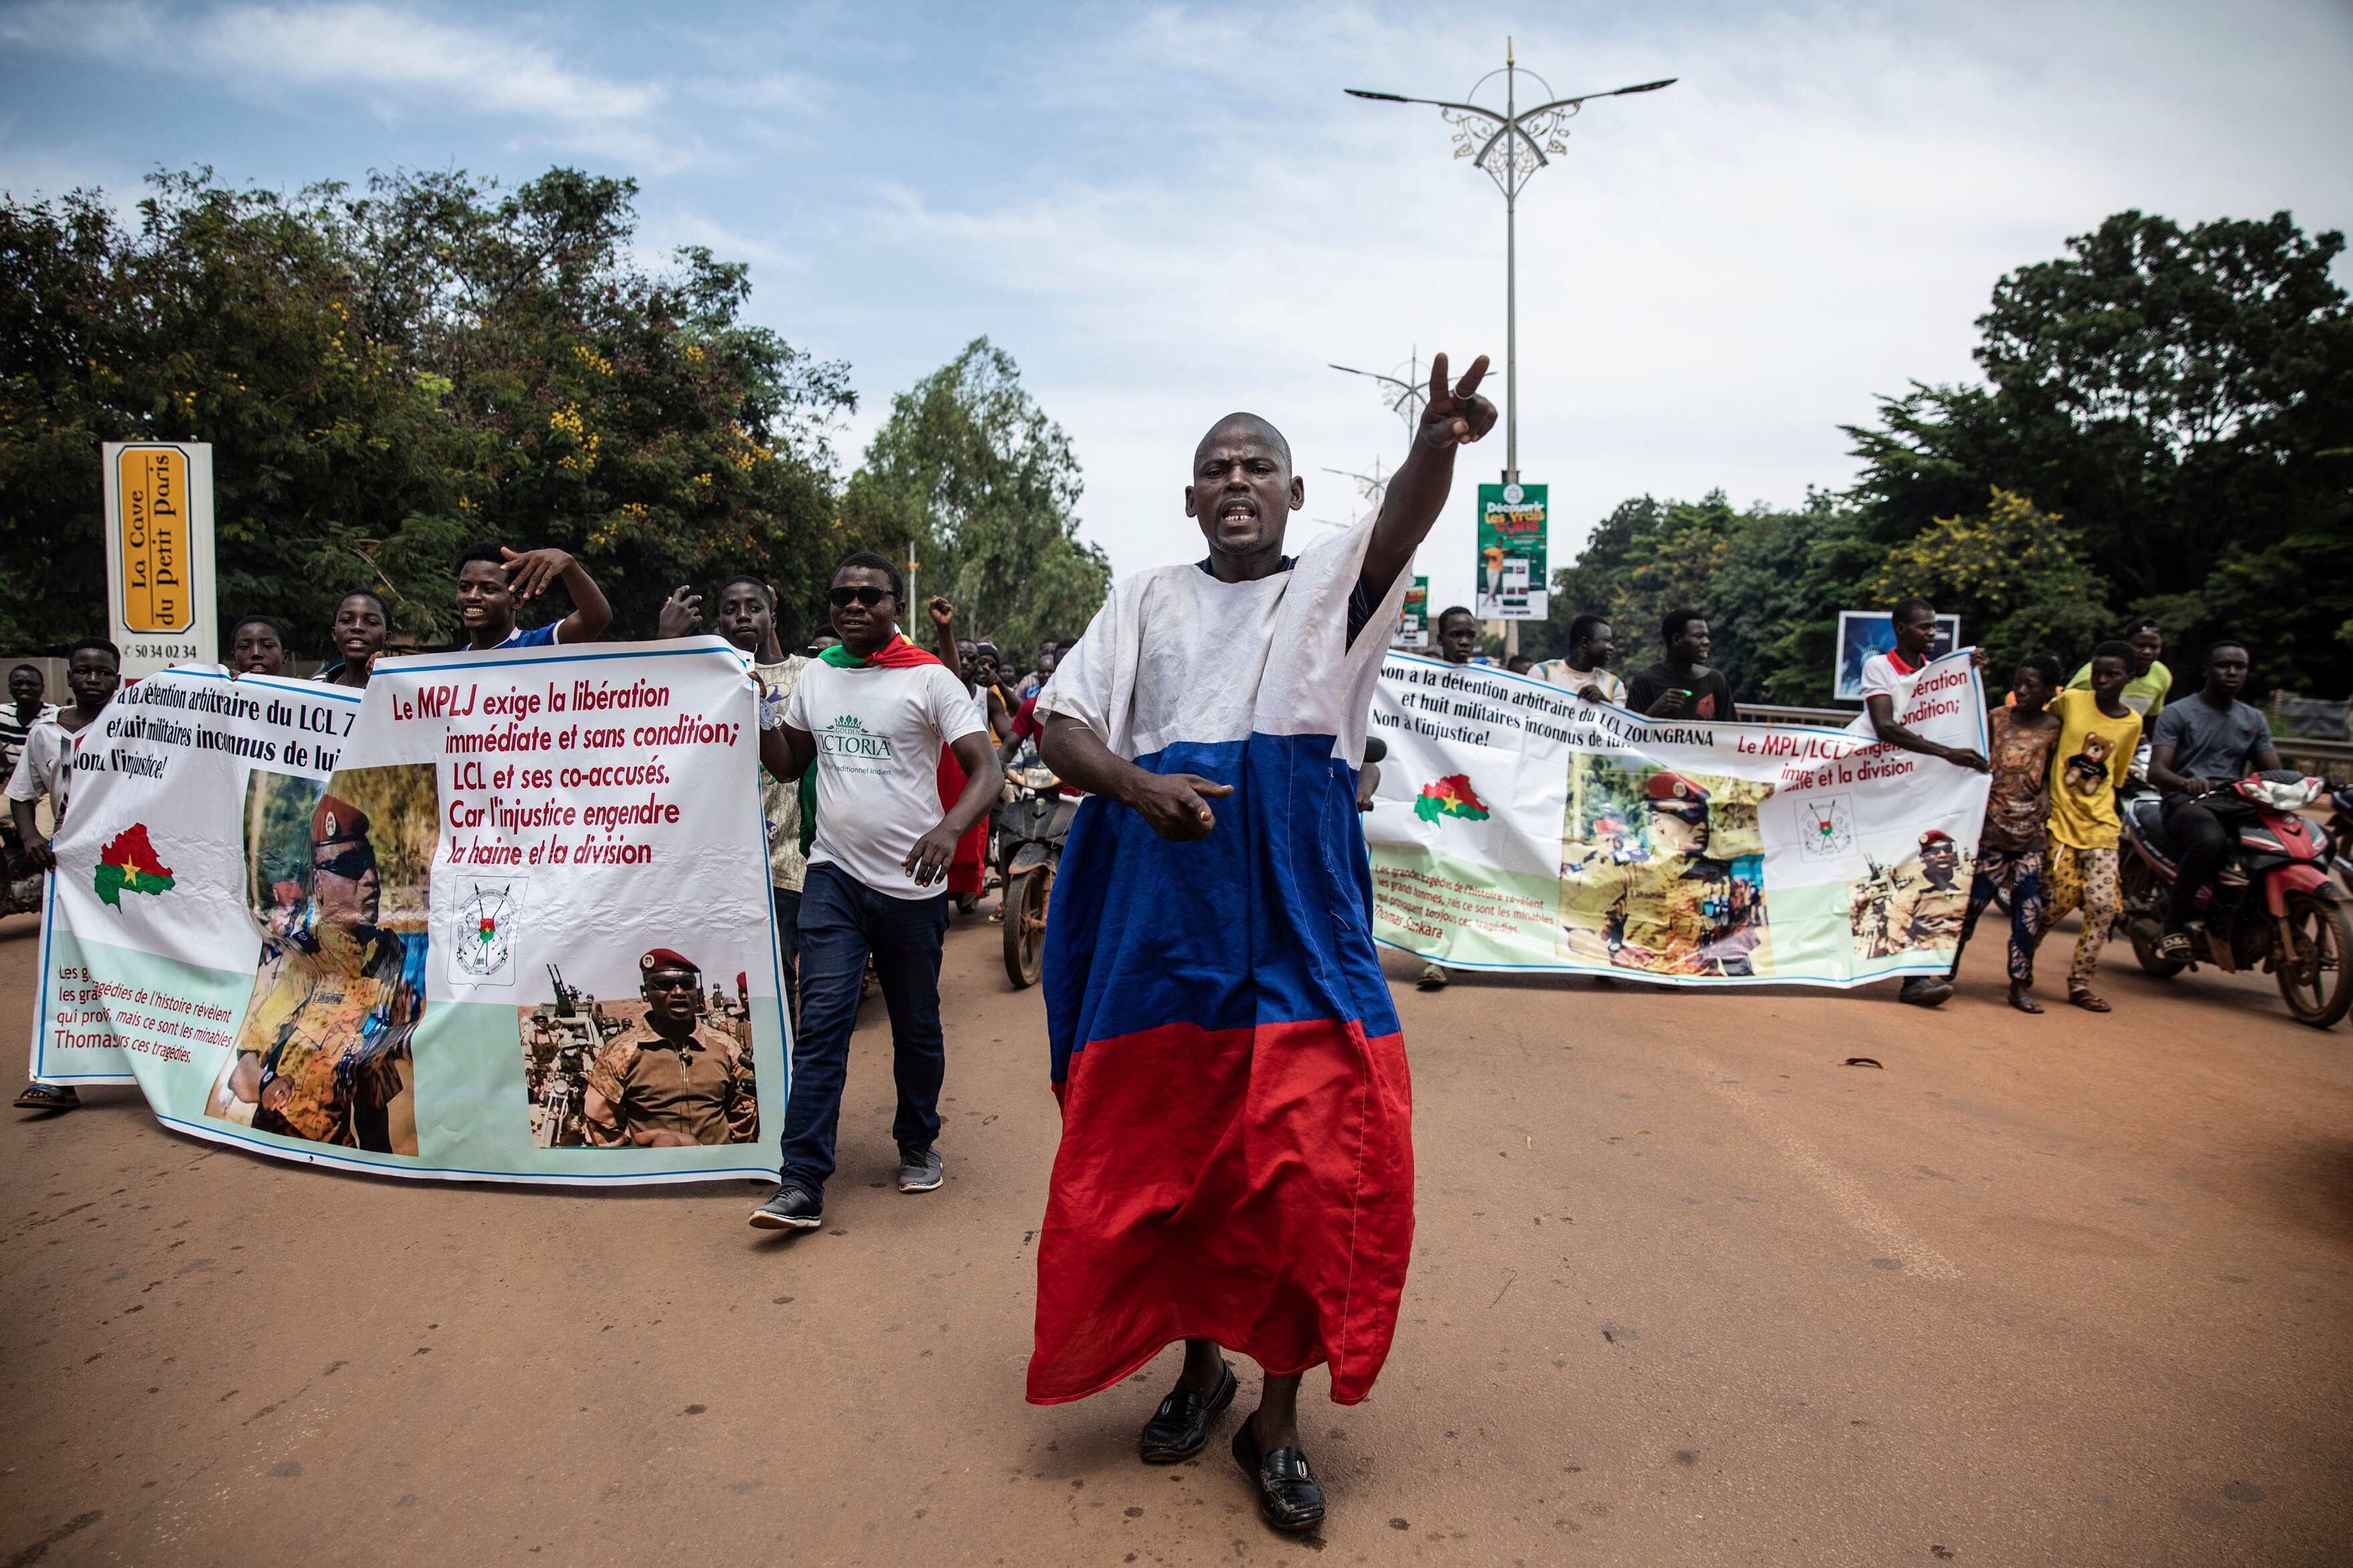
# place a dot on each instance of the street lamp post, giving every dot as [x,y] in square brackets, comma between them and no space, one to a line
[1510,146]
[1405,393]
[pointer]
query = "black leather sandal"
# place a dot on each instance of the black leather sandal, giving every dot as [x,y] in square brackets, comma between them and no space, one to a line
[48,1097]
[1180,1427]
[1288,1496]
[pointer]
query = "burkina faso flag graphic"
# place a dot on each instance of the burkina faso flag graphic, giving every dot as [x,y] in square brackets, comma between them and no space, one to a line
[1449,796]
[129,865]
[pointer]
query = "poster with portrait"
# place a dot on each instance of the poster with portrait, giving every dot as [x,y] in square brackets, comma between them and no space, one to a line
[1413,619]
[1516,826]
[1513,577]
[505,917]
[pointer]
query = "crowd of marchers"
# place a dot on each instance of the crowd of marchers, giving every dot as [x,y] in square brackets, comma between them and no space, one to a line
[872,845]
[1200,980]
[2063,751]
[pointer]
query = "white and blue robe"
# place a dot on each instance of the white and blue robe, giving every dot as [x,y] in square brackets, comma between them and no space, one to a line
[1236,1158]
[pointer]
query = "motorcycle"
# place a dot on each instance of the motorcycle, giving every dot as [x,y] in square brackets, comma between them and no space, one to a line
[1025,833]
[2273,906]
[2340,835]
[20,895]
[21,886]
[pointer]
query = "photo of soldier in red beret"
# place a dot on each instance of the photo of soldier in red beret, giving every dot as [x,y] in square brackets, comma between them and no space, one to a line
[1916,905]
[1683,892]
[678,1076]
[323,1053]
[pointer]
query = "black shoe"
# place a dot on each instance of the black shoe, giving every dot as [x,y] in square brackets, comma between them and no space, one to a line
[1287,1493]
[790,1209]
[920,1169]
[1180,1427]
[1924,991]
[48,1097]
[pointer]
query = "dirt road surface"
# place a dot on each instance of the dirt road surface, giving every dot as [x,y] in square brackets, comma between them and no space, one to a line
[2068,1290]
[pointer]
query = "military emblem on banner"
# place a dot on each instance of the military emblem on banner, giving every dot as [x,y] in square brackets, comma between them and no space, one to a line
[1826,828]
[483,950]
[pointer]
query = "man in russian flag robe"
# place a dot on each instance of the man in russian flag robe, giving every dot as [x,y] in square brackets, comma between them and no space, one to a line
[1236,1168]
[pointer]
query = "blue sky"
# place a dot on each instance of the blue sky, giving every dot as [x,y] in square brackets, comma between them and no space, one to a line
[1167,211]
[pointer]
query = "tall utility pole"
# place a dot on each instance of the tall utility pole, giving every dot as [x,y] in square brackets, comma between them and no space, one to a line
[1510,144]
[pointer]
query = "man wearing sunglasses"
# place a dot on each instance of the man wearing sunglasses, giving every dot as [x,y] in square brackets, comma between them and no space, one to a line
[318,1056]
[674,1081]
[862,732]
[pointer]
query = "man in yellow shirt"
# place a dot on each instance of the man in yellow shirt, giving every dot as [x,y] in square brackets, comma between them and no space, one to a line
[2093,757]
[2148,682]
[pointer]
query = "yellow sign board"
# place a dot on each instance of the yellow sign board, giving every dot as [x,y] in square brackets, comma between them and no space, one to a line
[151,523]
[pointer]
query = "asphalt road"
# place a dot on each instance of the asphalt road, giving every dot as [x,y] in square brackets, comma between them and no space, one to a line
[2067,1291]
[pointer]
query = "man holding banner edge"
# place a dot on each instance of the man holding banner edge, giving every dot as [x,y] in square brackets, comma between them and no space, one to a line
[45,767]
[1887,682]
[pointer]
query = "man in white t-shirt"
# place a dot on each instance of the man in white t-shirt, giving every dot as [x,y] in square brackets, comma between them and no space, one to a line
[1887,682]
[45,766]
[1591,645]
[862,730]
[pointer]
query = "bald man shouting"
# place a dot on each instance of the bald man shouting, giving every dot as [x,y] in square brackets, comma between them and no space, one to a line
[1236,1168]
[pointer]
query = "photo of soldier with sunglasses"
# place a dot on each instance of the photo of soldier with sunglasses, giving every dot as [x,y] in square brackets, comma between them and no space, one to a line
[675,1079]
[321,1051]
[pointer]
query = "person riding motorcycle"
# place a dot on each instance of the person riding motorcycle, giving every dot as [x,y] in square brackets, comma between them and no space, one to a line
[2200,747]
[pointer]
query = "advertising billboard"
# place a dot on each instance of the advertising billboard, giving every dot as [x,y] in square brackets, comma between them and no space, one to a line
[1512,579]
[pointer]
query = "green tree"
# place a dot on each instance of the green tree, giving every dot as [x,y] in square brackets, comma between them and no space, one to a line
[385,375]
[225,317]
[2013,572]
[1772,646]
[1590,584]
[970,472]
[2182,397]
[1743,570]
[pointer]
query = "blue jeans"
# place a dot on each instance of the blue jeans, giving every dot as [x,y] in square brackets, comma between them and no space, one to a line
[841,920]
[789,948]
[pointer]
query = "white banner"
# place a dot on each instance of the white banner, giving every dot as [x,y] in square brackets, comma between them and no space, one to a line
[506,918]
[1516,826]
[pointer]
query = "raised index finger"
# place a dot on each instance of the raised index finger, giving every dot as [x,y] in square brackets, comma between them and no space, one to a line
[1473,377]
[1437,378]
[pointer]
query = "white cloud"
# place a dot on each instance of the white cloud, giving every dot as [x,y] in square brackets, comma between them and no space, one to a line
[374,47]
[398,63]
[1711,280]
[1169,211]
